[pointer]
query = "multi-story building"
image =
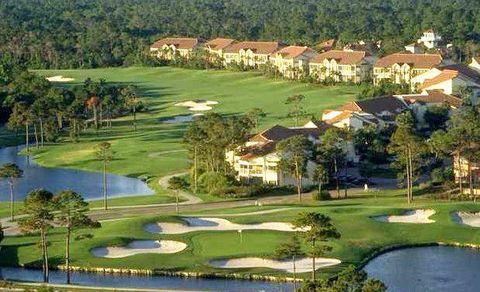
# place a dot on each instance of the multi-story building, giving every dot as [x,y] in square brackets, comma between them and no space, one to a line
[430,39]
[216,47]
[258,161]
[250,54]
[402,67]
[292,61]
[341,66]
[171,48]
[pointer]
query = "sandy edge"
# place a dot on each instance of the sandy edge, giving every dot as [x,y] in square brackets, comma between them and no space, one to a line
[467,218]
[139,247]
[419,216]
[60,78]
[213,224]
[302,265]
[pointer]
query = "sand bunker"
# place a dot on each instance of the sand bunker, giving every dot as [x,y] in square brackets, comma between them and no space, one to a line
[302,265]
[197,105]
[140,247]
[60,78]
[413,216]
[467,218]
[213,224]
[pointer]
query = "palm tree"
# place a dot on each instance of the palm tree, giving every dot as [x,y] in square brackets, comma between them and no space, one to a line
[11,172]
[104,153]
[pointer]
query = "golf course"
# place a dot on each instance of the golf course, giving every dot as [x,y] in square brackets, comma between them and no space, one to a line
[155,150]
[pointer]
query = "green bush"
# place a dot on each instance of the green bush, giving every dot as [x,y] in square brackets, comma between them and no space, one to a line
[323,196]
[212,181]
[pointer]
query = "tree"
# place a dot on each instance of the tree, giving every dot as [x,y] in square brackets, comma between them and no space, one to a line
[436,117]
[408,148]
[296,110]
[320,175]
[318,228]
[104,153]
[93,103]
[11,172]
[330,152]
[71,213]
[176,184]
[38,206]
[131,100]
[290,249]
[295,153]
[255,115]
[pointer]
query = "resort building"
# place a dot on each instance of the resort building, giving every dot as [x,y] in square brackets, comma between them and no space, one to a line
[380,112]
[420,103]
[414,48]
[341,66]
[461,166]
[258,160]
[450,79]
[430,39]
[402,67]
[250,54]
[292,61]
[170,48]
[216,47]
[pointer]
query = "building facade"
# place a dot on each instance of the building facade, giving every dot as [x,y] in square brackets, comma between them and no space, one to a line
[341,66]
[250,54]
[171,48]
[292,61]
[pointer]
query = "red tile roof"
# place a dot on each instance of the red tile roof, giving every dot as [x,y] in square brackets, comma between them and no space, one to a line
[343,57]
[219,43]
[433,96]
[179,43]
[442,77]
[424,61]
[291,52]
[257,47]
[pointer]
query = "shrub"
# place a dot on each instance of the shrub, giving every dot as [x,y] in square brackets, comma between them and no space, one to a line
[212,181]
[323,196]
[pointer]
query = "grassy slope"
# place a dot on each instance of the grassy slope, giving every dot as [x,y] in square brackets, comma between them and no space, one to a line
[361,236]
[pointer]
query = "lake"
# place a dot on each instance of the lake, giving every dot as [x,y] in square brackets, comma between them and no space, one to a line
[88,184]
[432,268]
[147,282]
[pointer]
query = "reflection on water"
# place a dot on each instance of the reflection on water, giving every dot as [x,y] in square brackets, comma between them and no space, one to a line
[433,268]
[89,184]
[147,282]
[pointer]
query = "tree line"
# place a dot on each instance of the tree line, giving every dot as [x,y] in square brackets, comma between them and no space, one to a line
[100,33]
[35,107]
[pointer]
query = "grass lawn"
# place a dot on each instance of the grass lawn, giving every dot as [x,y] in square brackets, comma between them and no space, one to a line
[361,236]
[155,148]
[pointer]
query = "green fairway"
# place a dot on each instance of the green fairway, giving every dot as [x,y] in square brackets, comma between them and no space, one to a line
[155,149]
[361,236]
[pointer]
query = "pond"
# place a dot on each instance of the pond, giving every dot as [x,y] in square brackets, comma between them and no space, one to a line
[146,282]
[432,268]
[88,184]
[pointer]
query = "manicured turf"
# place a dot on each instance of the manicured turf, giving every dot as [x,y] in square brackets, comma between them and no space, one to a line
[155,148]
[361,236]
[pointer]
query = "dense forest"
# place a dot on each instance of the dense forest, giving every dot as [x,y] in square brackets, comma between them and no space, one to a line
[97,33]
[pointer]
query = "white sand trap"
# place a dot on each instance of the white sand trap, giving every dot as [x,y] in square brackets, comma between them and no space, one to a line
[302,265]
[60,78]
[213,224]
[413,216]
[140,247]
[467,218]
[197,106]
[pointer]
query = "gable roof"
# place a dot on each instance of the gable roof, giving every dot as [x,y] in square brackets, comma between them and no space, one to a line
[179,43]
[342,57]
[256,47]
[426,61]
[445,75]
[433,96]
[291,52]
[376,106]
[219,43]
[464,70]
